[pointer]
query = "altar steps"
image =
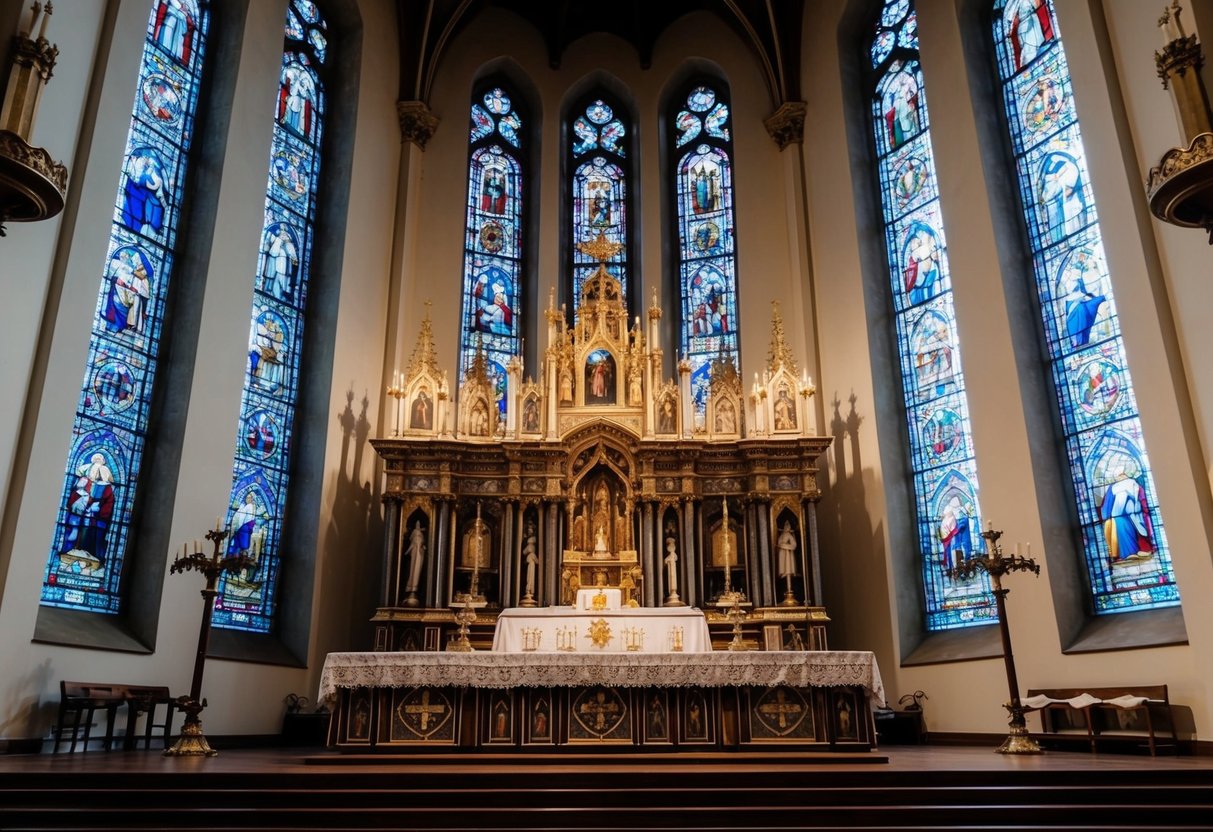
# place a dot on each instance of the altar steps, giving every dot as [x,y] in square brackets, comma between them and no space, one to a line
[644,796]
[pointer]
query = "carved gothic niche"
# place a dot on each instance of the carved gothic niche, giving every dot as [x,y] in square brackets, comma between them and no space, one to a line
[479,417]
[725,402]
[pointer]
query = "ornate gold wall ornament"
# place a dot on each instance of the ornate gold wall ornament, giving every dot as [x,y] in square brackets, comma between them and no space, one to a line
[600,633]
[779,355]
[786,124]
[417,122]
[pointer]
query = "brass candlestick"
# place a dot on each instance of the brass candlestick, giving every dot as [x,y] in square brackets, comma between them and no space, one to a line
[465,614]
[994,564]
[192,742]
[731,601]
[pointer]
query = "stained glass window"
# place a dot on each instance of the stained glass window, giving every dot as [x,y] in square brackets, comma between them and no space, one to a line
[261,469]
[937,410]
[92,536]
[492,251]
[598,156]
[1124,545]
[707,257]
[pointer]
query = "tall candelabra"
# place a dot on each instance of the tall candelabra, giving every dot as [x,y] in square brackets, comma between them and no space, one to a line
[192,742]
[466,604]
[995,564]
[731,601]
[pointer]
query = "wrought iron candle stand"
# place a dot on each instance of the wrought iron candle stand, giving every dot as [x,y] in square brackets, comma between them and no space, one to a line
[994,564]
[192,742]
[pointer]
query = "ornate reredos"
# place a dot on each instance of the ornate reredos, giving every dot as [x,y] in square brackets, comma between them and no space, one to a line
[602,371]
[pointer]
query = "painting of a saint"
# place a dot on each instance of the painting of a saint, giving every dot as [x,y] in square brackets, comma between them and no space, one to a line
[667,415]
[726,417]
[784,409]
[493,191]
[539,721]
[530,415]
[421,414]
[600,378]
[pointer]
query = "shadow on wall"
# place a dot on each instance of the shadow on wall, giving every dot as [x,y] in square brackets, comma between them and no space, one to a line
[853,562]
[352,540]
[26,714]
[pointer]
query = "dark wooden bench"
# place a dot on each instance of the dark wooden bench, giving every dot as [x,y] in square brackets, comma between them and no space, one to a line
[1106,721]
[81,702]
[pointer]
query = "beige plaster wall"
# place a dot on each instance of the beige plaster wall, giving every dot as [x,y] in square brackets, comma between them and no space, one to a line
[244,697]
[865,602]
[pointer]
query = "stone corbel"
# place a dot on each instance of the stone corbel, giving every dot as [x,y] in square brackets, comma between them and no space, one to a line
[417,122]
[786,124]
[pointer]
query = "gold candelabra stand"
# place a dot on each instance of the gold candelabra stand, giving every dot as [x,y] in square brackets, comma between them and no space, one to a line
[996,565]
[192,742]
[731,601]
[466,604]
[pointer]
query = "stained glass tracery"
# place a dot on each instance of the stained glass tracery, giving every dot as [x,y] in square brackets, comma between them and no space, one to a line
[941,446]
[598,157]
[707,257]
[1124,544]
[493,257]
[92,534]
[261,469]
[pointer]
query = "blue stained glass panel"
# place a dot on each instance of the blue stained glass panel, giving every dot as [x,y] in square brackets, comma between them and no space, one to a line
[84,570]
[493,254]
[941,446]
[260,492]
[706,240]
[1128,562]
[599,191]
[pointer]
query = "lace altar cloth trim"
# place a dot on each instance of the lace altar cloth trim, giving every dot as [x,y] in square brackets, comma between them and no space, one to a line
[826,668]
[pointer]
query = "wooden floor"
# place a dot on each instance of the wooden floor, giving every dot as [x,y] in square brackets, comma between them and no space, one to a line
[919,788]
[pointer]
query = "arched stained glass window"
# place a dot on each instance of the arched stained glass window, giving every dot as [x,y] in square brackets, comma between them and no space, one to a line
[598,147]
[1125,548]
[85,569]
[707,254]
[937,410]
[261,470]
[492,255]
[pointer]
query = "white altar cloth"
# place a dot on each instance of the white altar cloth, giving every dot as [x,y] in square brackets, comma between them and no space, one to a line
[821,668]
[657,623]
[614,598]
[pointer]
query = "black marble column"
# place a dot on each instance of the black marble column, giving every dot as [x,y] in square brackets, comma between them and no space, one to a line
[505,567]
[391,553]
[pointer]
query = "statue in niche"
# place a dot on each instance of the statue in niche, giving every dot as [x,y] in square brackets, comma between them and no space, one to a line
[531,557]
[601,517]
[635,388]
[416,553]
[600,541]
[566,386]
[622,518]
[578,540]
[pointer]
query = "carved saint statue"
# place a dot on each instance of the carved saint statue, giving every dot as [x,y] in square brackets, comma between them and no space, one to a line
[416,553]
[531,557]
[787,550]
[578,541]
[600,541]
[671,567]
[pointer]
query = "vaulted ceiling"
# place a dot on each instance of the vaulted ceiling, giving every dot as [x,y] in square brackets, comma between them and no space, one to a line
[771,29]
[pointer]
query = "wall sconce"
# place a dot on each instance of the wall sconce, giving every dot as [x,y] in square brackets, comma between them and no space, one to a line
[32,184]
[1180,186]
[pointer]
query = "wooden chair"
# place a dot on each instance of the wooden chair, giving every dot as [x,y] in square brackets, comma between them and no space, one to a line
[142,701]
[79,703]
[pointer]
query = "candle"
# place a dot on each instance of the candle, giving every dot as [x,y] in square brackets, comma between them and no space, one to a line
[1029,550]
[46,18]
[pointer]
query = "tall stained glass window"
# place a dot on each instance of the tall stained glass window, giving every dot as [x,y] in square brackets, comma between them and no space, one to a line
[937,411]
[598,157]
[261,471]
[492,249]
[1127,559]
[92,535]
[707,254]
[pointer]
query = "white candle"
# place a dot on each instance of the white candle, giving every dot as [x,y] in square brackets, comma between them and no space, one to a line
[46,18]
